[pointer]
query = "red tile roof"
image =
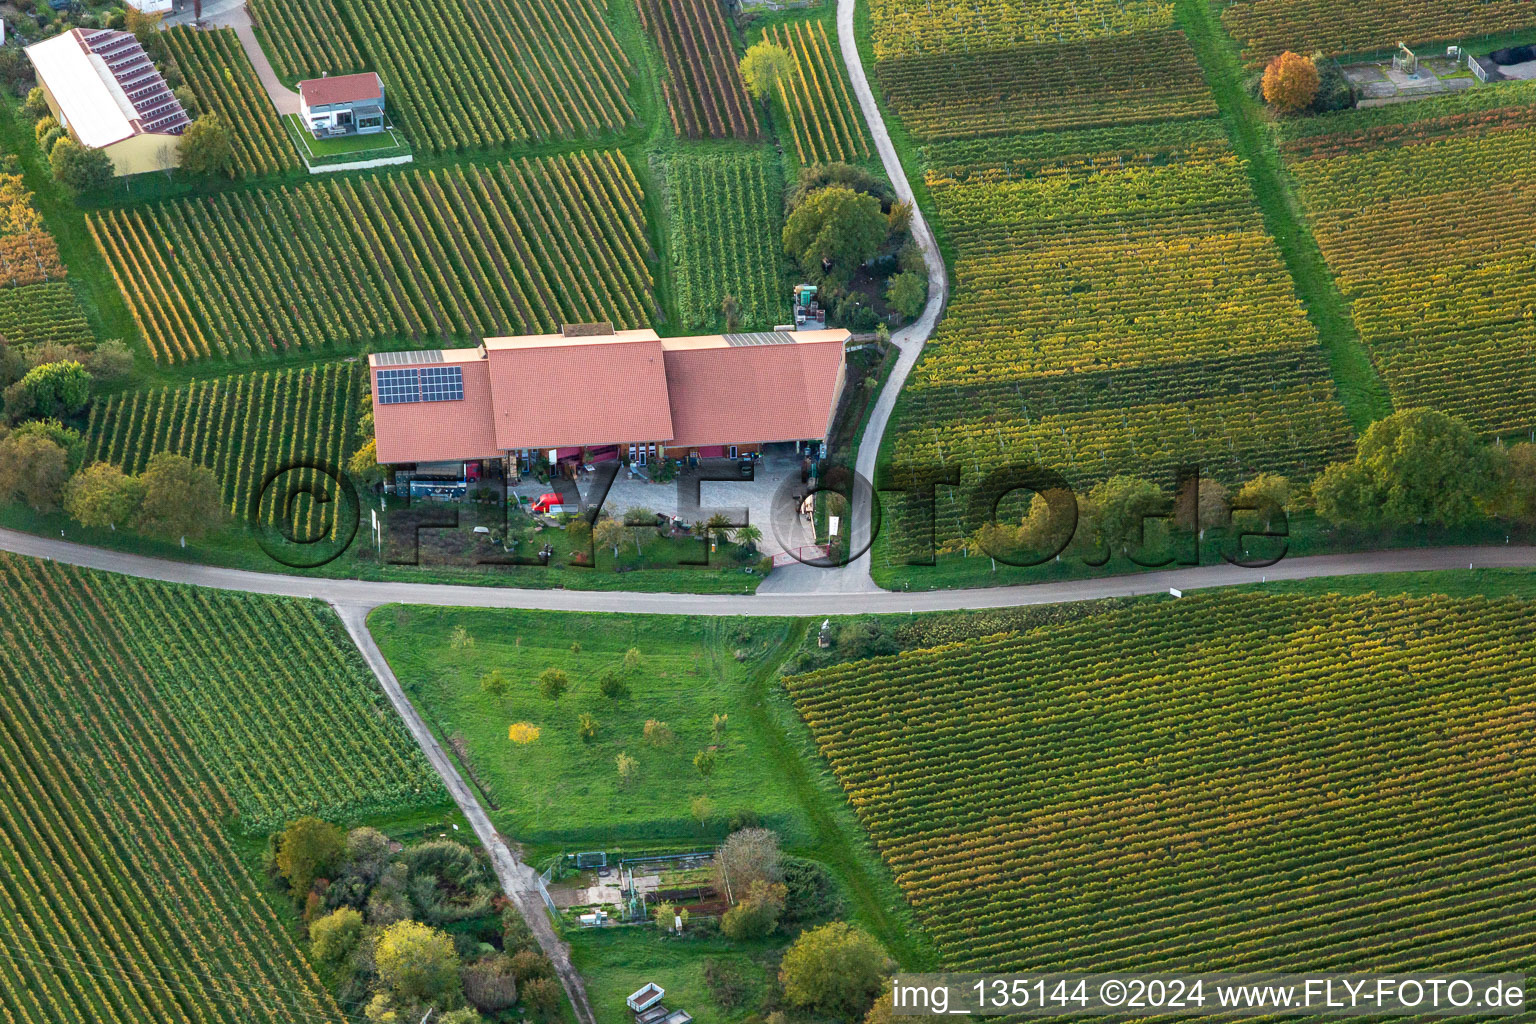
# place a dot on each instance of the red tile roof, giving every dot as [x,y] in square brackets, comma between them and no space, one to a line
[321,92]
[554,391]
[440,431]
[751,393]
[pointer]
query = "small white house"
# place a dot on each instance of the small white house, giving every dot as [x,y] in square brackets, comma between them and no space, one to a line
[343,104]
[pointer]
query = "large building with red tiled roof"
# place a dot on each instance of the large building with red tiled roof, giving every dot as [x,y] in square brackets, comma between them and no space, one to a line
[104,90]
[595,393]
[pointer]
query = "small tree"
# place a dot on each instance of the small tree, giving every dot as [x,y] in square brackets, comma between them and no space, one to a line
[102,496]
[702,809]
[1290,82]
[207,148]
[665,912]
[33,469]
[1417,465]
[658,734]
[489,985]
[37,104]
[627,767]
[758,914]
[522,733]
[730,308]
[542,996]
[836,970]
[748,537]
[609,533]
[586,727]
[307,849]
[461,639]
[899,218]
[906,293]
[142,24]
[417,963]
[364,463]
[495,683]
[748,855]
[763,66]
[717,726]
[333,937]
[181,498]
[553,682]
[612,685]
[833,232]
[58,389]
[633,659]
[79,169]
[704,762]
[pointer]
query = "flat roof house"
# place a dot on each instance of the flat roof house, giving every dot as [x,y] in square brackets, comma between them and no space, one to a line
[343,104]
[594,393]
[105,91]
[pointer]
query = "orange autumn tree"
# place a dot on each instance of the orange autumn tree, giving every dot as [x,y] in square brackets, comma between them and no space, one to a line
[1290,82]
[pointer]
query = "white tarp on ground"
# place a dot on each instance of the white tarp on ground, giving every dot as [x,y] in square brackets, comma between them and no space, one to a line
[84,89]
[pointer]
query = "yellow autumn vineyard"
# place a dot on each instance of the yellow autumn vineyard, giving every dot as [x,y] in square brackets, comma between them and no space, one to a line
[1237,782]
[1425,217]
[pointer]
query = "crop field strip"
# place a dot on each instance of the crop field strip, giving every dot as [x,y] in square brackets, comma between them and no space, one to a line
[1118,305]
[37,314]
[514,248]
[1264,28]
[703,88]
[1232,782]
[1425,215]
[907,28]
[115,869]
[308,39]
[467,74]
[726,224]
[240,427]
[215,67]
[28,253]
[1075,84]
[824,124]
[1113,311]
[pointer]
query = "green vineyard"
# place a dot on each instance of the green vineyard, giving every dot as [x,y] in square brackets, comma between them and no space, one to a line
[1237,782]
[726,221]
[221,77]
[135,719]
[823,121]
[240,427]
[464,252]
[461,74]
[1447,315]
[1265,28]
[39,314]
[305,40]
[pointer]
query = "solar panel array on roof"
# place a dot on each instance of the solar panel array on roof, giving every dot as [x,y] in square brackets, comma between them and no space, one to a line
[442,384]
[400,358]
[156,107]
[392,387]
[427,384]
[760,338]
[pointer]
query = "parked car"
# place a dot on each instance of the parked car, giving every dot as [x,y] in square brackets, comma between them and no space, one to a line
[744,467]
